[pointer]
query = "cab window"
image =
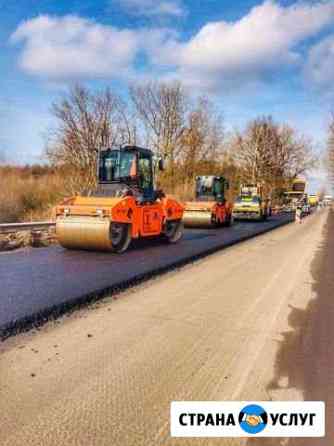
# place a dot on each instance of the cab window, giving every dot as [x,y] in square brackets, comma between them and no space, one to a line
[127,166]
[115,165]
[217,188]
[108,167]
[145,171]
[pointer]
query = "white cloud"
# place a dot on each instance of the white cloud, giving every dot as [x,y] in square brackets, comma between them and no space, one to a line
[71,47]
[319,69]
[172,8]
[267,37]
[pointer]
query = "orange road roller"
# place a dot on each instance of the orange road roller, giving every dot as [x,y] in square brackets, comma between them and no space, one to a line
[210,207]
[125,206]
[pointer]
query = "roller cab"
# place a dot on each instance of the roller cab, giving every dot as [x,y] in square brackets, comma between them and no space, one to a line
[125,206]
[210,207]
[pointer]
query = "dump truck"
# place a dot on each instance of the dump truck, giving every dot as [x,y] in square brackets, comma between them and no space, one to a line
[125,205]
[210,207]
[296,194]
[251,204]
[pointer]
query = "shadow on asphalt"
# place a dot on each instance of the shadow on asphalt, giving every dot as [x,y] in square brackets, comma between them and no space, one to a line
[306,354]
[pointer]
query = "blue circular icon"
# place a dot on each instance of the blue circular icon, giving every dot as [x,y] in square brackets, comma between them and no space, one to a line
[253,419]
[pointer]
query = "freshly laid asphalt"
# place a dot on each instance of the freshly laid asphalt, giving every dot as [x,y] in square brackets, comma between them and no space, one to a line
[37,283]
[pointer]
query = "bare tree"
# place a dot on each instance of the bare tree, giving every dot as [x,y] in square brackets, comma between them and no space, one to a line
[127,126]
[161,110]
[187,132]
[294,155]
[271,153]
[86,122]
[202,139]
[252,149]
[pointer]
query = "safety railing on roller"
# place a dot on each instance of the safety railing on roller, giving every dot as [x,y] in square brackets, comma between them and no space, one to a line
[7,228]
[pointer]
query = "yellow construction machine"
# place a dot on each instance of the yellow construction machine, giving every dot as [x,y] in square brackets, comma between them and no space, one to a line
[125,205]
[251,204]
[313,200]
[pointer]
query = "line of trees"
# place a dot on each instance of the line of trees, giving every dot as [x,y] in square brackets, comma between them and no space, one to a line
[272,153]
[188,132]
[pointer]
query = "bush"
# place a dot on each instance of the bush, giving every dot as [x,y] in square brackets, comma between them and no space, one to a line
[26,195]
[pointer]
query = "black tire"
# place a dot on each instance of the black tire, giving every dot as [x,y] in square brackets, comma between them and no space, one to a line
[173,230]
[120,237]
[262,216]
[215,223]
[229,221]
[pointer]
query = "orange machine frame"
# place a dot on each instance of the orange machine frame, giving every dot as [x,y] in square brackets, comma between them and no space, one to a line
[146,220]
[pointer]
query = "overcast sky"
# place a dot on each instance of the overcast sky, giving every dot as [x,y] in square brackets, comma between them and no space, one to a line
[254,58]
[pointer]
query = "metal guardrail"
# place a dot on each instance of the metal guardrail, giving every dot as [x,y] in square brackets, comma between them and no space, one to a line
[7,228]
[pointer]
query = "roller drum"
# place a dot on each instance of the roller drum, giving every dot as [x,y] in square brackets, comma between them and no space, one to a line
[197,219]
[89,233]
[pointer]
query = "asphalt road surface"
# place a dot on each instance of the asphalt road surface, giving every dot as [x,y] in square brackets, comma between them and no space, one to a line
[254,322]
[35,282]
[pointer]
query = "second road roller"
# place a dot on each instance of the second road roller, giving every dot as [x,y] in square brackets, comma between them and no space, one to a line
[210,207]
[125,205]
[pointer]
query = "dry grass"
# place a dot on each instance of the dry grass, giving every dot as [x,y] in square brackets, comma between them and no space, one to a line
[28,197]
[30,193]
